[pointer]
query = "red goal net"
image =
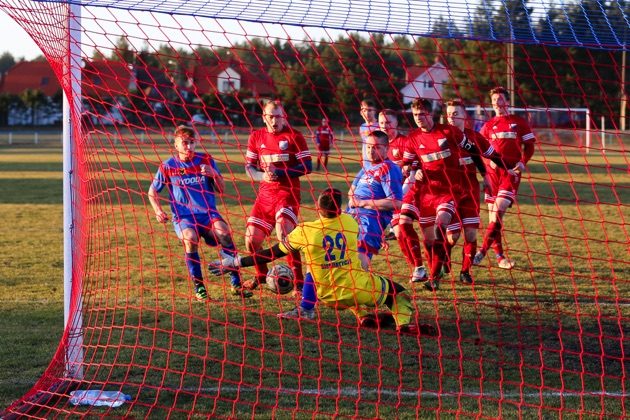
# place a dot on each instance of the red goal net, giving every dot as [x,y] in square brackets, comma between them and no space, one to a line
[530,321]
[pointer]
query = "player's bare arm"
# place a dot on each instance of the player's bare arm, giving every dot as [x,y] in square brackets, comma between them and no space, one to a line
[154,199]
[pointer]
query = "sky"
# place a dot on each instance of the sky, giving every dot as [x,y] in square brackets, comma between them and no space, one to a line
[21,45]
[194,30]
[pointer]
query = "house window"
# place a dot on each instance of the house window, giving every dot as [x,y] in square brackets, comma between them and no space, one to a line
[428,84]
[225,86]
[45,81]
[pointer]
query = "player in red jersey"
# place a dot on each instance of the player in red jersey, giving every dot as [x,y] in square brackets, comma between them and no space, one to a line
[438,186]
[513,139]
[324,138]
[277,156]
[468,206]
[388,122]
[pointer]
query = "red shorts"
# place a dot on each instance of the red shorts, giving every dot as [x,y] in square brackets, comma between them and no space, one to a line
[409,205]
[323,146]
[271,207]
[434,203]
[468,206]
[423,205]
[502,185]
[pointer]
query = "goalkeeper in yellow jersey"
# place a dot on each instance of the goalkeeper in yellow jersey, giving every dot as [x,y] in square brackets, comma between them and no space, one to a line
[335,276]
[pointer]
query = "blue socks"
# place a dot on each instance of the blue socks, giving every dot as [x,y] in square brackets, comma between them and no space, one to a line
[193,262]
[309,293]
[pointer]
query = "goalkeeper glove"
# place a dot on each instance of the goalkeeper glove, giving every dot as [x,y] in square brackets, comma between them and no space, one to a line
[226,264]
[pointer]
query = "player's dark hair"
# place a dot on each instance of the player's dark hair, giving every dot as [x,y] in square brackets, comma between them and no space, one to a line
[329,203]
[379,135]
[388,113]
[422,104]
[184,131]
[501,91]
[456,102]
[368,102]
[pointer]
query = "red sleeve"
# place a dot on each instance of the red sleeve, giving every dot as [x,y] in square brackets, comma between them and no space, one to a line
[303,153]
[409,151]
[482,143]
[251,157]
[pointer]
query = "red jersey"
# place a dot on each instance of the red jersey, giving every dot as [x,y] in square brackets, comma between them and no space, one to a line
[484,146]
[438,153]
[397,150]
[270,151]
[324,134]
[507,135]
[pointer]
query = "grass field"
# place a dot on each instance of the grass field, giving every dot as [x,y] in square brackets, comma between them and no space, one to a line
[551,335]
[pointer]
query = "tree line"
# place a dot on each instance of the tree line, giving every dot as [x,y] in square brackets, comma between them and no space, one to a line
[330,76]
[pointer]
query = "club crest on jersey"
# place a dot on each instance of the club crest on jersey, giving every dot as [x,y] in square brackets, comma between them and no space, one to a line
[182,171]
[396,153]
[283,144]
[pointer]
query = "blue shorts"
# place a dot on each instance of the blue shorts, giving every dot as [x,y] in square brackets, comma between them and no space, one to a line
[370,236]
[200,223]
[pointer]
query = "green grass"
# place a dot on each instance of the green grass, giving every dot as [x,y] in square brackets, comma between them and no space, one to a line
[557,323]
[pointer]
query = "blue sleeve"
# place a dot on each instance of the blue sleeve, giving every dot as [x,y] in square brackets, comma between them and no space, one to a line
[214,165]
[392,185]
[159,181]
[355,182]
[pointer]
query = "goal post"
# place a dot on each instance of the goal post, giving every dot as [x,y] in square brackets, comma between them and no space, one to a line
[73,307]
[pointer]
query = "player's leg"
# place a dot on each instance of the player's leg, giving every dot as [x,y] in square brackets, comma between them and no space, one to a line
[438,247]
[306,308]
[370,238]
[254,238]
[259,226]
[501,205]
[490,195]
[186,231]
[286,221]
[408,238]
[453,232]
[470,248]
[402,308]
[223,236]
[468,211]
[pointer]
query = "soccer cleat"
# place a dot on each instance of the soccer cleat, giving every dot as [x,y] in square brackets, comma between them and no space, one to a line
[505,263]
[432,285]
[465,278]
[416,330]
[201,293]
[419,274]
[297,313]
[240,291]
[479,256]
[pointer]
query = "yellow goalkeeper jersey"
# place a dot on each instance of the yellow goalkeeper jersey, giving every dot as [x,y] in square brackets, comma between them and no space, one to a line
[329,247]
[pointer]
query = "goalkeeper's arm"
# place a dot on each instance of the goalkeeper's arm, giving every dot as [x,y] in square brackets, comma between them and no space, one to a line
[259,257]
[262,257]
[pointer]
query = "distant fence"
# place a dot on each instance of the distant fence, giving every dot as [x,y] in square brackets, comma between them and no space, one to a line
[30,137]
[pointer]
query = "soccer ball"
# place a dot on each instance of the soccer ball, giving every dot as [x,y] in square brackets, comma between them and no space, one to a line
[280,279]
